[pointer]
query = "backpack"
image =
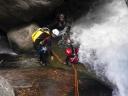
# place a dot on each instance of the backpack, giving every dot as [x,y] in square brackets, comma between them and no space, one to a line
[39,32]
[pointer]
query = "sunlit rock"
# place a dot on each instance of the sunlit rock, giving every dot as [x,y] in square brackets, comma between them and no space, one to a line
[21,37]
[5,88]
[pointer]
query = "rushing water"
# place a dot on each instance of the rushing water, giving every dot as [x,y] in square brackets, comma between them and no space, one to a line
[103,38]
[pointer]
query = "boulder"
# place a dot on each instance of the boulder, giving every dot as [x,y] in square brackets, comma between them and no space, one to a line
[21,37]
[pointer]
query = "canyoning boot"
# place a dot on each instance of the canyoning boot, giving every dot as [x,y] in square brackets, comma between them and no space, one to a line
[67,63]
[42,64]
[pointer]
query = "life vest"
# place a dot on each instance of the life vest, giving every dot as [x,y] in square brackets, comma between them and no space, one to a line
[73,56]
[68,51]
[39,32]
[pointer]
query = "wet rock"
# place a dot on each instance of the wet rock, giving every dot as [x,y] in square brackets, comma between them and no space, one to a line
[52,82]
[38,82]
[5,88]
[93,87]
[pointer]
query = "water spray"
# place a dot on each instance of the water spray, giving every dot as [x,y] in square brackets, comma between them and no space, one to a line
[103,43]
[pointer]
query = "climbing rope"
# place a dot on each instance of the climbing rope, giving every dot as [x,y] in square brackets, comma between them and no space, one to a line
[57,57]
[74,66]
[76,85]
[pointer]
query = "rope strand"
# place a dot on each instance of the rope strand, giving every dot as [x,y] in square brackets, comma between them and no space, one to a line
[76,85]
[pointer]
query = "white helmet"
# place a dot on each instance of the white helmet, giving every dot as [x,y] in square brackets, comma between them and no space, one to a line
[55,32]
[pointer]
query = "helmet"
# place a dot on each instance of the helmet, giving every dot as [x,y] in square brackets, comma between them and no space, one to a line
[61,17]
[55,32]
[68,51]
[45,29]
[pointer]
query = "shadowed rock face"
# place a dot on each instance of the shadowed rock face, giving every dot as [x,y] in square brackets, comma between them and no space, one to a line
[14,12]
[4,45]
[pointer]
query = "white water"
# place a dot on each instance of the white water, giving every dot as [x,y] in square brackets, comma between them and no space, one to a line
[104,33]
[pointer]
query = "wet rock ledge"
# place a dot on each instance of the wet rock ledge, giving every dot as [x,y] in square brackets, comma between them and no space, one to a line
[51,82]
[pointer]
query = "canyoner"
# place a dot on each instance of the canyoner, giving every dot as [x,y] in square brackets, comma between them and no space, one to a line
[71,52]
[72,57]
[42,40]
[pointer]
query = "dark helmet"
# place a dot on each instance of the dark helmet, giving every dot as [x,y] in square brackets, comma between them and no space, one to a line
[61,17]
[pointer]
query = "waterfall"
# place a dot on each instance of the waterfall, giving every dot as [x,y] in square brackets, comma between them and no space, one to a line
[103,38]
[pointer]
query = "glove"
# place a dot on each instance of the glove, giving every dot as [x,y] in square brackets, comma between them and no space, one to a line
[41,42]
[52,58]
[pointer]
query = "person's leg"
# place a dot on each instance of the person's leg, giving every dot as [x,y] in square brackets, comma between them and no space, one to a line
[67,60]
[46,58]
[42,59]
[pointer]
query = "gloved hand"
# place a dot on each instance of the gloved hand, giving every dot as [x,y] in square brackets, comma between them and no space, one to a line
[52,58]
[41,42]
